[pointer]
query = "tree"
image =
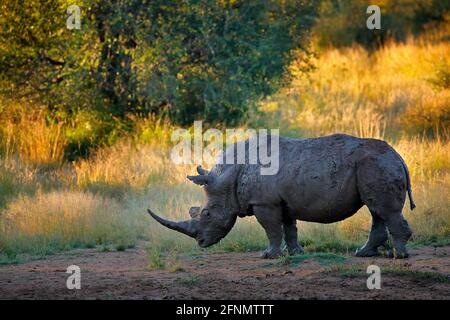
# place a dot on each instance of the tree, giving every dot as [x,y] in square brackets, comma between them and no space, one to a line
[190,58]
[211,60]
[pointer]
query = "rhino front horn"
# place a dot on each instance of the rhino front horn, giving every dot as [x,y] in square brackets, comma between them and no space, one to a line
[186,227]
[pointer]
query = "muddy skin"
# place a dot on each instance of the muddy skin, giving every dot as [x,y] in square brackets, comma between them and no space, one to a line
[323,180]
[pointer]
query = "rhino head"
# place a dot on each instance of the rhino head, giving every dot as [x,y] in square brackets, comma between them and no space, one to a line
[213,221]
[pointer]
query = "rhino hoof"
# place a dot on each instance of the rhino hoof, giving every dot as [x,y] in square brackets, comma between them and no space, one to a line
[365,252]
[296,250]
[396,254]
[271,254]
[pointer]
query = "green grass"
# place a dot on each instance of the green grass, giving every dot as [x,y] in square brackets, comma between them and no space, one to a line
[417,274]
[346,271]
[168,260]
[155,257]
[121,247]
[354,271]
[324,259]
[435,241]
[105,248]
[189,281]
[331,245]
[15,259]
[174,266]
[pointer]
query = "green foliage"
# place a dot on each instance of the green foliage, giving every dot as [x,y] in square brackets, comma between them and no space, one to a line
[213,59]
[89,129]
[41,60]
[190,59]
[32,44]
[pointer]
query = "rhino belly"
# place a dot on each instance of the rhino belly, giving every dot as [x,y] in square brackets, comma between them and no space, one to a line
[323,194]
[322,212]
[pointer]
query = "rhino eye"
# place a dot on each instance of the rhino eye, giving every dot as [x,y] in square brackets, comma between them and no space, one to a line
[205,213]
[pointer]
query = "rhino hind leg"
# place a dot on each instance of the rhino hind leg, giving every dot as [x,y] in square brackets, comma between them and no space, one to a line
[382,187]
[271,220]
[291,237]
[377,237]
[400,232]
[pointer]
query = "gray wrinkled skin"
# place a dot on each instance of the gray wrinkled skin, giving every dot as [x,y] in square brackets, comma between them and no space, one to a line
[324,180]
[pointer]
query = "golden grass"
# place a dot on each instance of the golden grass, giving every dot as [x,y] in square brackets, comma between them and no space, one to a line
[428,160]
[61,219]
[383,94]
[126,164]
[430,221]
[26,132]
[386,95]
[103,199]
[87,216]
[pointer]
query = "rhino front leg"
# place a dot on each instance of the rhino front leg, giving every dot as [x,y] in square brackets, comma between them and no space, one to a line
[271,220]
[291,237]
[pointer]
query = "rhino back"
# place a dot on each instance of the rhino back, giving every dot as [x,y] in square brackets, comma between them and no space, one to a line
[316,180]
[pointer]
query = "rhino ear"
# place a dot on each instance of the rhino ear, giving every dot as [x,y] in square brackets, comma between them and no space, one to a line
[201,180]
[202,171]
[194,211]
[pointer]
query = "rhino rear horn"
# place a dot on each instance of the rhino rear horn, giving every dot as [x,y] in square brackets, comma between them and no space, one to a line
[202,171]
[201,180]
[187,227]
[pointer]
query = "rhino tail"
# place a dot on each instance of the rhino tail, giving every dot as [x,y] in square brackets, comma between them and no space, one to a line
[412,205]
[411,200]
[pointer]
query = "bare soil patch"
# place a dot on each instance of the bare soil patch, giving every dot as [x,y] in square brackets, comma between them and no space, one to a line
[126,275]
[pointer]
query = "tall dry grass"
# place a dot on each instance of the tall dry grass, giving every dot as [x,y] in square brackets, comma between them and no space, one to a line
[25,132]
[383,94]
[61,220]
[129,165]
[388,94]
[46,221]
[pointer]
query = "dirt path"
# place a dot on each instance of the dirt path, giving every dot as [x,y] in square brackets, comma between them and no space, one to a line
[125,275]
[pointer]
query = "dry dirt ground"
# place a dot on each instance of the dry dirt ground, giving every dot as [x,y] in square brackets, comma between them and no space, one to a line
[126,275]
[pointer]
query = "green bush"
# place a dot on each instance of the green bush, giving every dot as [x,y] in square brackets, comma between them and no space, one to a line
[190,59]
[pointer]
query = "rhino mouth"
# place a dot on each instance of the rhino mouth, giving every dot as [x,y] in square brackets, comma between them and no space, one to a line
[206,241]
[202,243]
[205,244]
